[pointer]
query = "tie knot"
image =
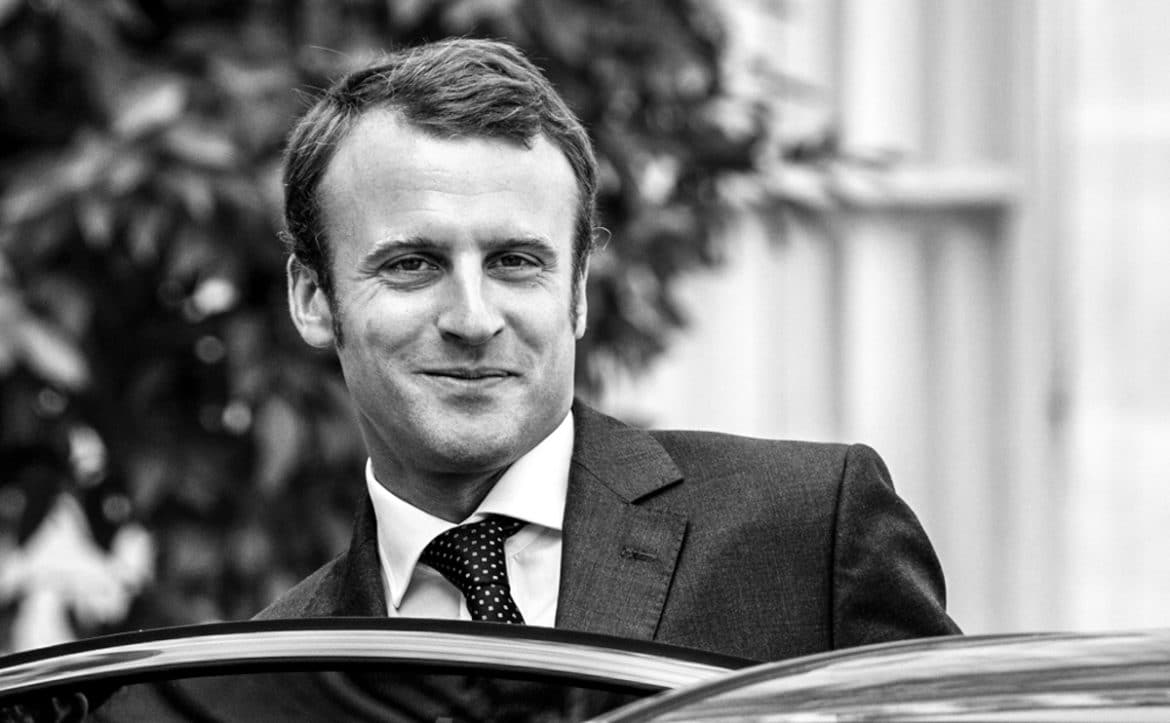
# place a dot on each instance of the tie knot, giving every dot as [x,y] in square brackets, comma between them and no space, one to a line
[472,555]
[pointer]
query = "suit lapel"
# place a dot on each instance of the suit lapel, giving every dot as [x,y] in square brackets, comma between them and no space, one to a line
[619,557]
[360,592]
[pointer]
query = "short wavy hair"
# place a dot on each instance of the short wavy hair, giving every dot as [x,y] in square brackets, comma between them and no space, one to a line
[453,88]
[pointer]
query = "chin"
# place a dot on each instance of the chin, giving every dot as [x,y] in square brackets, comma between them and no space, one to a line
[471,453]
[469,443]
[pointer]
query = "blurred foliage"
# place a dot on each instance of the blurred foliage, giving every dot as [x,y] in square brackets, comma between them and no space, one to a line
[143,331]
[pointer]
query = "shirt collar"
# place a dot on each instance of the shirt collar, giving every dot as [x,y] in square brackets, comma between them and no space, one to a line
[533,489]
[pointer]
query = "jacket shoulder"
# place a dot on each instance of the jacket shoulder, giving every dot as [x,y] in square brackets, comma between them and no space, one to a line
[729,452]
[315,596]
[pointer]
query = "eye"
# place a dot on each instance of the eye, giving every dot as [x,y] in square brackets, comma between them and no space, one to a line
[513,266]
[515,261]
[410,264]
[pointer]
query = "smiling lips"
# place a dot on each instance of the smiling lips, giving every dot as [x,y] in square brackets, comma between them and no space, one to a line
[470,374]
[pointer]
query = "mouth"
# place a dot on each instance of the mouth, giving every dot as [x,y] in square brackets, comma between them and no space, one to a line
[470,374]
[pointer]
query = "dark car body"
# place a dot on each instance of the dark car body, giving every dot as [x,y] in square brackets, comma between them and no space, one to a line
[344,669]
[400,670]
[1038,677]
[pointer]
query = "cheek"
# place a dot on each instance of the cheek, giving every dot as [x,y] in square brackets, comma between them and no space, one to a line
[544,324]
[372,350]
[385,325]
[559,344]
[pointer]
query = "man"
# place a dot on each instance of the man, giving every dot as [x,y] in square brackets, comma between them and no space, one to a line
[440,212]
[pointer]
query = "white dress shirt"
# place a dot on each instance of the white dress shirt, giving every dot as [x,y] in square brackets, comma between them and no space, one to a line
[533,489]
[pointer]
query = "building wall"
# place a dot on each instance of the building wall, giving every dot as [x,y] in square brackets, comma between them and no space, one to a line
[990,313]
[1118,305]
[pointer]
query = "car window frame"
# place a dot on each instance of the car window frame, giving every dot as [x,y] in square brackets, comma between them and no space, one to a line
[226,648]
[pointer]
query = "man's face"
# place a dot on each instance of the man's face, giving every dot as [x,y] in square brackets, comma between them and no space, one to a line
[452,268]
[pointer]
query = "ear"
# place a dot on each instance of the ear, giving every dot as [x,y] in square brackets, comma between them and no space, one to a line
[308,306]
[581,311]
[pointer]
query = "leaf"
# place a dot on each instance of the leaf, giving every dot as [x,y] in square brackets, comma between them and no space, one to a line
[52,355]
[133,556]
[192,554]
[192,254]
[8,8]
[150,106]
[249,83]
[143,233]
[95,217]
[280,436]
[271,188]
[408,13]
[251,550]
[202,147]
[147,473]
[193,190]
[8,340]
[246,336]
[464,15]
[66,300]
[47,183]
[126,172]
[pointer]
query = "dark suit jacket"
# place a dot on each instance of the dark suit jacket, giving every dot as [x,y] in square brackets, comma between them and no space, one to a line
[749,547]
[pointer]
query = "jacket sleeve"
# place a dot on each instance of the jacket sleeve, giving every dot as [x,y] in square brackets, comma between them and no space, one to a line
[887,581]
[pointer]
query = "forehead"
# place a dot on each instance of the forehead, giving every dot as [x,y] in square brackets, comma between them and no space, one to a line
[387,175]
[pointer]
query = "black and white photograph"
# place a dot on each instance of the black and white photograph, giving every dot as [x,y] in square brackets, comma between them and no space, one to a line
[567,360]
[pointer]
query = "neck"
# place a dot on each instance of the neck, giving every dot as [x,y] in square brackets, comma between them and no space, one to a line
[449,497]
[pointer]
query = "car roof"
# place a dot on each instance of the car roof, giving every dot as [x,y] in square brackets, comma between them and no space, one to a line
[954,678]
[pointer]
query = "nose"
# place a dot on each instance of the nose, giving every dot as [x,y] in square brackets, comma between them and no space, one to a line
[468,314]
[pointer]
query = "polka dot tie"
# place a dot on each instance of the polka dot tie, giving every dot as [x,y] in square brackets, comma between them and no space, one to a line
[471,557]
